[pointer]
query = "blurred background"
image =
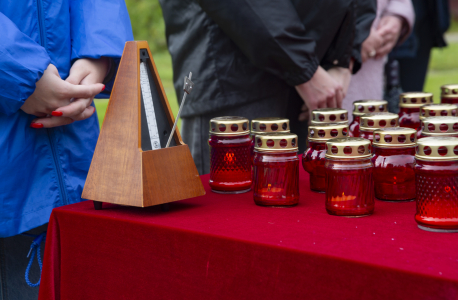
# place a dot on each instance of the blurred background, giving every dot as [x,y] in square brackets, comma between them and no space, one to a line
[148,24]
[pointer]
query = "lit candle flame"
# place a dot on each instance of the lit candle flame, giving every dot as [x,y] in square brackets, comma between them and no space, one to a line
[229,158]
[343,198]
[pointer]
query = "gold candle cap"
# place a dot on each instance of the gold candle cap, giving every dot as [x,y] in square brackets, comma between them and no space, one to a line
[275,142]
[324,132]
[229,126]
[329,115]
[438,148]
[434,126]
[362,107]
[449,90]
[370,122]
[263,125]
[436,110]
[415,99]
[349,147]
[395,137]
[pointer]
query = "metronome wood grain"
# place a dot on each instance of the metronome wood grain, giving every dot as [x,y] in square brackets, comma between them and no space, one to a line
[122,172]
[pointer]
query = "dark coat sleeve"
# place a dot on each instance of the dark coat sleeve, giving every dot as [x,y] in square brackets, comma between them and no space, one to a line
[366,11]
[269,33]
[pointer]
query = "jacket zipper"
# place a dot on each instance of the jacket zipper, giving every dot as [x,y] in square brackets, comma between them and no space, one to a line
[63,191]
[41,24]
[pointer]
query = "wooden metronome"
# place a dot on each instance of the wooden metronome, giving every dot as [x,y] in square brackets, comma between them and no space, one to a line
[131,163]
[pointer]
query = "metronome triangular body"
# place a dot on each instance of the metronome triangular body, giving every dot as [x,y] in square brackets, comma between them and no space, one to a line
[124,169]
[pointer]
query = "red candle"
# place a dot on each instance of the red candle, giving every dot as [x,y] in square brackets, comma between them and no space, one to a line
[449,93]
[439,126]
[436,172]
[322,116]
[349,182]
[394,159]
[314,157]
[436,110]
[276,170]
[371,122]
[410,103]
[362,107]
[230,158]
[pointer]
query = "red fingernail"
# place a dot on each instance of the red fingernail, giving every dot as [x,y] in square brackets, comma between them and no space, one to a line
[103,88]
[36,125]
[57,113]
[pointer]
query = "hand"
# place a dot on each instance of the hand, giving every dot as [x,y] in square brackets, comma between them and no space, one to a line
[343,77]
[370,46]
[52,92]
[321,91]
[84,72]
[389,29]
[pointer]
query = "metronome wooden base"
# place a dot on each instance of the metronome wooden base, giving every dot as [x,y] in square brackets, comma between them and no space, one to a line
[99,205]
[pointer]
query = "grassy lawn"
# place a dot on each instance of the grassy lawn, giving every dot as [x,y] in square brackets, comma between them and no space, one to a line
[443,69]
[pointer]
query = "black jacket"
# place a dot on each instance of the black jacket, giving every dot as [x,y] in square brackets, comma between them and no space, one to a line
[246,50]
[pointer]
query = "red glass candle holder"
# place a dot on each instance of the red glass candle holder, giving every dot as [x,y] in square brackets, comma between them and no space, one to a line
[449,93]
[276,170]
[313,159]
[439,126]
[394,159]
[230,157]
[371,122]
[436,110]
[349,182]
[410,103]
[436,172]
[267,125]
[322,116]
[362,107]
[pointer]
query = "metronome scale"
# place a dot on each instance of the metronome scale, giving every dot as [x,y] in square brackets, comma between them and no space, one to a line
[136,161]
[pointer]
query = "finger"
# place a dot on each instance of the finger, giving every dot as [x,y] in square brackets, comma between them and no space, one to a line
[339,98]
[303,116]
[384,50]
[89,111]
[73,109]
[331,99]
[81,91]
[77,75]
[51,122]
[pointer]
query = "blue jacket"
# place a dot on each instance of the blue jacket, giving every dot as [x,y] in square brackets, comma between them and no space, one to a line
[45,168]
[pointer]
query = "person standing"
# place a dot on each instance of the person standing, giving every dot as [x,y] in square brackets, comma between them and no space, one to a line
[392,26]
[55,57]
[255,58]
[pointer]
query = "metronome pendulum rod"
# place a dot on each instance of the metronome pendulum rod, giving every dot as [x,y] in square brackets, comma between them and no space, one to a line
[187,88]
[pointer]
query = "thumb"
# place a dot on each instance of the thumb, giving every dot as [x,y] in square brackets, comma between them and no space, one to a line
[76,75]
[83,91]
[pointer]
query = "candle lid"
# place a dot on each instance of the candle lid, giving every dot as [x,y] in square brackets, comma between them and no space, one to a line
[229,126]
[435,110]
[395,137]
[370,122]
[438,148]
[263,125]
[415,99]
[276,141]
[329,115]
[449,90]
[324,132]
[349,147]
[362,107]
[444,126]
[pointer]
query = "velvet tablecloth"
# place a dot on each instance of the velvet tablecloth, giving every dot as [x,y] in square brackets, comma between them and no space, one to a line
[225,247]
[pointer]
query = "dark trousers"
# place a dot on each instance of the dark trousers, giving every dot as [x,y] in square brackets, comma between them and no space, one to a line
[13,263]
[195,130]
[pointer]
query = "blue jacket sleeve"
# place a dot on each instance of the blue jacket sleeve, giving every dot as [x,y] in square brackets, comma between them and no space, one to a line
[99,28]
[22,63]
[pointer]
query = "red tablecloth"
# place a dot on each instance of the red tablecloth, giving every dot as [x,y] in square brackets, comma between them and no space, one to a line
[226,247]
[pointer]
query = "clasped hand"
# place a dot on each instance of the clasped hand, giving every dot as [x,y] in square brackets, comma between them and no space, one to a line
[58,102]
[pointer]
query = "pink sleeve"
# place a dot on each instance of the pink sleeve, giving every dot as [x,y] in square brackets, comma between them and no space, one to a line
[403,9]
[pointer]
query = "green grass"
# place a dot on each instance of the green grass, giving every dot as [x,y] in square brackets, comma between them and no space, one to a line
[163,63]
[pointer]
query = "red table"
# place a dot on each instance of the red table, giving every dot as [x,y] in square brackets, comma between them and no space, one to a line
[226,247]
